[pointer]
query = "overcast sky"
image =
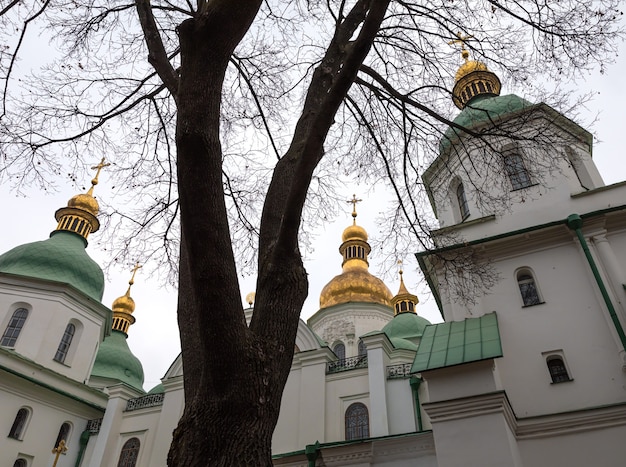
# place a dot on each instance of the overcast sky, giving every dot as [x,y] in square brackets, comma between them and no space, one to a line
[154,337]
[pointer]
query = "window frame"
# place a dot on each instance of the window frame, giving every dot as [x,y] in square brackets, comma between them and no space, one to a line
[517,172]
[356,412]
[524,277]
[65,431]
[14,327]
[65,343]
[132,451]
[18,428]
[461,199]
[341,356]
[558,372]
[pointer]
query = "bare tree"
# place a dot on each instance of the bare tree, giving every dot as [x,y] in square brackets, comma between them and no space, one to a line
[247,103]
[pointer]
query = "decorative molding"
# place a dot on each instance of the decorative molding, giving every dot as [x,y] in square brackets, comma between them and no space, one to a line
[527,428]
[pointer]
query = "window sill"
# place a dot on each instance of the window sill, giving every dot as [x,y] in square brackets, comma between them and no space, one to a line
[534,304]
[524,187]
[561,382]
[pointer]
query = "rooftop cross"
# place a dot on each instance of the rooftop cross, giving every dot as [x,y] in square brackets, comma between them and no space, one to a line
[461,40]
[354,200]
[98,168]
[134,271]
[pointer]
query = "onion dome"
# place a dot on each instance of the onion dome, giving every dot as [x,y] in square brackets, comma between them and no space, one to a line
[80,215]
[115,362]
[404,302]
[62,257]
[406,328]
[355,283]
[124,306]
[473,79]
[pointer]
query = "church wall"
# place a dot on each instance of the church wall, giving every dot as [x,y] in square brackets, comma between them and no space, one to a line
[400,404]
[48,411]
[49,314]
[597,448]
[343,389]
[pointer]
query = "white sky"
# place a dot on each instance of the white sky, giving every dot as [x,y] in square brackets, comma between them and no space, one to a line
[154,338]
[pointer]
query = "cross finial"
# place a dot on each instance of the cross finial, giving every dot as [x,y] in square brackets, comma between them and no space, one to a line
[400,267]
[98,168]
[461,40]
[354,200]
[60,449]
[134,271]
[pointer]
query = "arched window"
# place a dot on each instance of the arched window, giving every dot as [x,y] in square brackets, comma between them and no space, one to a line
[462,200]
[516,170]
[65,343]
[362,349]
[64,434]
[357,422]
[528,288]
[129,454]
[19,424]
[12,332]
[557,369]
[20,463]
[340,350]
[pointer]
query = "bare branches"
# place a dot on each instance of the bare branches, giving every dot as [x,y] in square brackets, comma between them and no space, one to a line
[157,56]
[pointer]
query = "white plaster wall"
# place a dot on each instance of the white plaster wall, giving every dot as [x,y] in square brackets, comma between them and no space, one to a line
[49,314]
[48,412]
[597,448]
[343,389]
[400,407]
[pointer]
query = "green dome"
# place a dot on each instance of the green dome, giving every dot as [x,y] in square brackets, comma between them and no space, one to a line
[115,361]
[158,389]
[483,110]
[61,258]
[404,330]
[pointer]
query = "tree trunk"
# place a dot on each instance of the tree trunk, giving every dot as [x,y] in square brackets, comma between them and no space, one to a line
[233,376]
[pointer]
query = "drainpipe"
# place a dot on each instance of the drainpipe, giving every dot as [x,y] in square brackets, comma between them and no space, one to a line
[575,222]
[415,382]
[84,439]
[312,451]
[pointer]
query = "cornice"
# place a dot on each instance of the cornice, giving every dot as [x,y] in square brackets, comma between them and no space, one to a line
[543,426]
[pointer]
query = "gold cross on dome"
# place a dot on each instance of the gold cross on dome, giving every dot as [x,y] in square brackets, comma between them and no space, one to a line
[461,40]
[134,271]
[60,449]
[99,167]
[354,200]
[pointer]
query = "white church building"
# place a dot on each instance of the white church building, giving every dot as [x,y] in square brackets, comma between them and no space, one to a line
[528,372]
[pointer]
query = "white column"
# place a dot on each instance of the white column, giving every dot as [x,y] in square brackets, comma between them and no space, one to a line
[378,350]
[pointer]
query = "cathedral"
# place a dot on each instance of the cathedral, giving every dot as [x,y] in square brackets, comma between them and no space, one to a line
[527,372]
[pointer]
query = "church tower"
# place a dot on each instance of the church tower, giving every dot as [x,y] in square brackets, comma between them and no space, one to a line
[355,302]
[527,273]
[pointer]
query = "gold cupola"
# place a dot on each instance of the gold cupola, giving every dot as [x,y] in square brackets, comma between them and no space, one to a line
[473,78]
[80,215]
[355,283]
[404,301]
[123,307]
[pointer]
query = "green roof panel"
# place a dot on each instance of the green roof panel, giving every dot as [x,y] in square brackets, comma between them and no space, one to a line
[458,342]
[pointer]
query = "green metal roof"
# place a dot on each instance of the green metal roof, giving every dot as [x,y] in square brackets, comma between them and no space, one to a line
[483,110]
[115,361]
[458,342]
[61,258]
[405,329]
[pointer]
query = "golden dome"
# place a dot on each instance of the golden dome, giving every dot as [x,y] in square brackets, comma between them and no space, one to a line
[80,215]
[124,306]
[468,67]
[85,202]
[354,232]
[355,283]
[472,79]
[404,301]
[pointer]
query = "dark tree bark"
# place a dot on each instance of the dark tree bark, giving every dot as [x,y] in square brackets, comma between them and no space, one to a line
[234,375]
